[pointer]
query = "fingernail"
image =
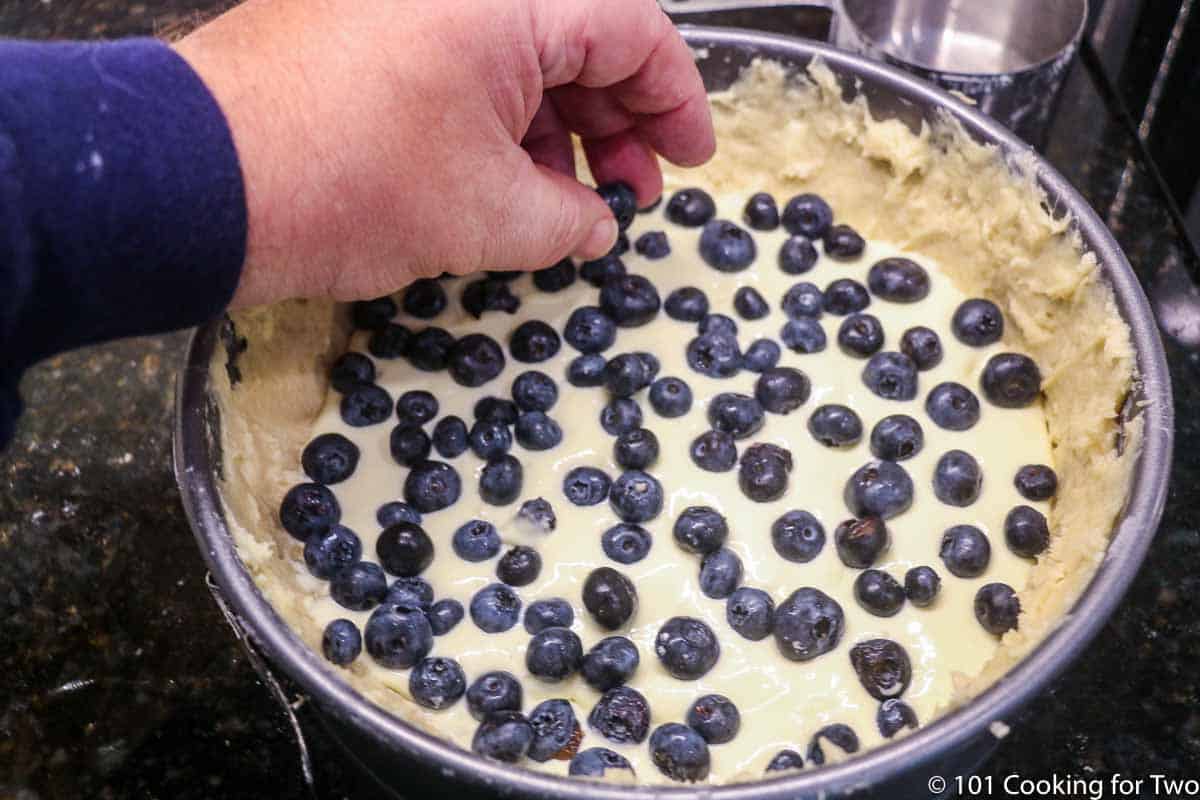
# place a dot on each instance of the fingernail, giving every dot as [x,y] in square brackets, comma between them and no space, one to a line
[599,241]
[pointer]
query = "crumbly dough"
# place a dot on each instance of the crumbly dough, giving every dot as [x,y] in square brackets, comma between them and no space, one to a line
[935,195]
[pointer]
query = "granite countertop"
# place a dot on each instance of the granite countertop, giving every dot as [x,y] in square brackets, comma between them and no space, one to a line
[121,679]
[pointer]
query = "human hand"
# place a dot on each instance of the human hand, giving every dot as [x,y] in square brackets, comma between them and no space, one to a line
[384,142]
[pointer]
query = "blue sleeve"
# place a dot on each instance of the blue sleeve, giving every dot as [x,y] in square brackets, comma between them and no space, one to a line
[122,209]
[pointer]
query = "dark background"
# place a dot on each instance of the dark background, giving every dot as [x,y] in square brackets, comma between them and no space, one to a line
[121,679]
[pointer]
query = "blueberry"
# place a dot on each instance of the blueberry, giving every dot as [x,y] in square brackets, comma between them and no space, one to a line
[921,586]
[837,734]
[891,375]
[749,304]
[494,409]
[610,663]
[636,496]
[670,397]
[803,301]
[501,480]
[843,243]
[586,370]
[477,358]
[714,717]
[781,390]
[341,642]
[432,486]
[882,666]
[424,298]
[997,608]
[590,330]
[687,648]
[736,414]
[495,608]
[630,300]
[596,762]
[390,341]
[899,280]
[977,323]
[803,336]
[726,246]
[327,552]
[623,204]
[784,760]
[490,294]
[700,529]
[807,215]
[532,342]
[586,486]
[653,245]
[923,346]
[412,592]
[878,593]
[536,431]
[952,406]
[965,551]
[404,549]
[835,426]
[717,323]
[1011,380]
[556,732]
[716,355]
[896,438]
[538,514]
[476,540]
[409,445]
[396,511]
[308,508]
[444,615]
[751,613]
[653,365]
[679,752]
[845,296]
[625,543]
[621,247]
[503,736]
[797,255]
[621,415]
[329,458]
[371,315]
[1026,531]
[714,451]
[879,489]
[720,573]
[761,213]
[808,624]
[398,636]
[601,269]
[493,692]
[430,349]
[686,304]
[797,536]
[1036,482]
[437,682]
[365,404]
[636,449]
[761,356]
[554,654]
[763,473]
[554,612]
[625,374]
[350,370]
[555,278]
[450,437]
[690,208]
[520,566]
[609,597]
[860,335]
[621,715]
[860,541]
[957,479]
[534,391]
[893,716]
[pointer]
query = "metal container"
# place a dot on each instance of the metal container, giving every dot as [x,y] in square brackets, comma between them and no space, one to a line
[405,759]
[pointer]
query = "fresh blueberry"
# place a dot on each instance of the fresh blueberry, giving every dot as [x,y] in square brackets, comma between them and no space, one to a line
[554,612]
[736,414]
[860,541]
[450,437]
[687,648]
[630,300]
[899,280]
[532,342]
[555,730]
[716,355]
[921,585]
[416,407]
[365,404]
[412,592]
[751,613]
[838,734]
[609,597]
[538,514]
[329,458]
[714,451]
[957,478]
[717,323]
[651,362]
[670,397]
[327,552]
[882,666]
[1036,482]
[835,426]
[923,346]
[490,294]
[622,245]
[997,608]
[476,359]
[430,349]
[597,762]
[444,615]
[536,431]
[1011,380]
[1026,531]
[720,573]
[686,304]
[977,323]
[501,480]
[503,736]
[623,204]
[762,355]
[845,296]
[409,445]
[808,624]
[860,335]
[371,315]
[308,508]
[395,511]
[807,215]
[476,540]
[432,486]
[492,692]
[700,529]
[590,330]
[715,718]
[843,243]
[404,549]
[878,593]
[653,245]
[965,551]
[596,272]
[952,406]
[390,341]
[341,642]
[636,449]
[726,246]
[621,715]
[586,486]
[554,654]
[781,390]
[495,608]
[803,335]
[610,663]
[534,391]
[803,301]
[520,566]
[555,278]
[797,255]
[625,543]
[893,716]
[749,304]
[437,682]
[797,536]
[785,760]
[625,374]
[586,370]
[621,415]
[350,370]
[761,213]
[690,208]
[495,409]
[896,438]
[398,636]
[878,489]
[424,298]
[763,473]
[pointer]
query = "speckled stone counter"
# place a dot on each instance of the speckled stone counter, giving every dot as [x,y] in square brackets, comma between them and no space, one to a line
[121,679]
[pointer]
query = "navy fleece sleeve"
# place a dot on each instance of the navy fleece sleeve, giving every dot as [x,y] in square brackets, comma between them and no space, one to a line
[122,209]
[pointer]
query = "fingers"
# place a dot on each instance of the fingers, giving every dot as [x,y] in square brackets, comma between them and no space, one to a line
[548,141]
[625,157]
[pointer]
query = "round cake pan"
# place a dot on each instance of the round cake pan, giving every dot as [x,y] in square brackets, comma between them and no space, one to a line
[403,757]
